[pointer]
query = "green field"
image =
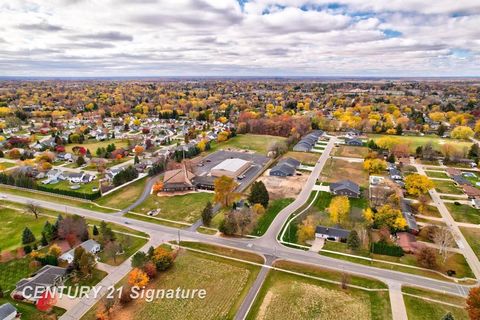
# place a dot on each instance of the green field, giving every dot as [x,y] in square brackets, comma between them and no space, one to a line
[266,219]
[90,281]
[416,141]
[6,164]
[93,145]
[435,174]
[289,296]
[123,197]
[185,208]
[225,281]
[419,309]
[464,213]
[472,235]
[447,187]
[85,188]
[13,271]
[253,142]
[13,223]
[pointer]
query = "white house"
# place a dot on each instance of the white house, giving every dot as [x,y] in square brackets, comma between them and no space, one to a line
[90,245]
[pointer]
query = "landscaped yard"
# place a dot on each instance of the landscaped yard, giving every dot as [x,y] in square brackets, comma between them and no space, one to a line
[13,223]
[253,142]
[447,187]
[13,271]
[336,170]
[90,281]
[225,281]
[266,219]
[306,158]
[464,213]
[30,312]
[288,296]
[416,141]
[419,309]
[134,244]
[437,174]
[84,188]
[93,145]
[350,151]
[123,197]
[185,208]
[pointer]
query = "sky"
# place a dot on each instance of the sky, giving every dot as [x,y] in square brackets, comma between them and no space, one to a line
[98,38]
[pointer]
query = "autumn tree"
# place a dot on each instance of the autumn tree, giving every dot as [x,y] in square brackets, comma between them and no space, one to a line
[417,184]
[162,258]
[137,278]
[462,132]
[375,165]
[224,191]
[473,303]
[389,217]
[339,209]
[427,257]
[306,230]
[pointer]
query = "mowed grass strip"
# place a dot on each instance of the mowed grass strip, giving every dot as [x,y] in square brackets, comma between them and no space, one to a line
[448,187]
[266,219]
[437,174]
[420,309]
[253,142]
[472,235]
[464,213]
[123,197]
[185,208]
[289,296]
[416,141]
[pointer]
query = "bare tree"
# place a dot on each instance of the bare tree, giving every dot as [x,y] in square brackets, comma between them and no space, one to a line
[33,208]
[444,239]
[344,281]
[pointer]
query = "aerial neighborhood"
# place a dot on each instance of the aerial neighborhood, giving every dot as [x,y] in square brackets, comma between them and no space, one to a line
[364,195]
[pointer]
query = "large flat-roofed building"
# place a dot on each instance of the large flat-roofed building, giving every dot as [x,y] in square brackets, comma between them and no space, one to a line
[231,168]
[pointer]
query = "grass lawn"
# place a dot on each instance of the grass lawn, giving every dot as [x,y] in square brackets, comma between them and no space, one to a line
[336,169]
[350,151]
[419,309]
[13,223]
[306,158]
[30,312]
[12,271]
[435,174]
[472,235]
[185,208]
[225,281]
[224,251]
[124,196]
[415,141]
[266,219]
[134,244]
[464,213]
[97,276]
[57,199]
[93,145]
[6,164]
[447,187]
[289,296]
[253,142]
[85,188]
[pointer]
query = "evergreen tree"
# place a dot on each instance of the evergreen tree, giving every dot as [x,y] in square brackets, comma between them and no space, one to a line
[353,241]
[95,230]
[48,231]
[27,236]
[259,194]
[391,158]
[207,214]
[136,160]
[44,240]
[448,316]
[399,129]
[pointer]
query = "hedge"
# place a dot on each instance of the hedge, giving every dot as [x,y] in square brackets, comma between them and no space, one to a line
[71,193]
[387,249]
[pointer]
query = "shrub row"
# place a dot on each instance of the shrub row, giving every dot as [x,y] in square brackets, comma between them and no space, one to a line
[382,247]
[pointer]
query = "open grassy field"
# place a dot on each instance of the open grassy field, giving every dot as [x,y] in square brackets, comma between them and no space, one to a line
[93,145]
[464,213]
[289,296]
[123,197]
[336,169]
[415,141]
[12,271]
[85,188]
[436,174]
[447,187]
[307,158]
[419,309]
[253,142]
[472,235]
[6,164]
[266,219]
[350,151]
[225,281]
[13,223]
[186,208]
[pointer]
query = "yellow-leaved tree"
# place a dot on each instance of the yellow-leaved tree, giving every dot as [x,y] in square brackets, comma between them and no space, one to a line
[375,165]
[137,278]
[462,132]
[339,209]
[224,191]
[306,230]
[417,184]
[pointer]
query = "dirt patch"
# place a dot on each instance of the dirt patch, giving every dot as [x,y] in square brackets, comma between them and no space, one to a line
[337,169]
[351,151]
[303,157]
[283,187]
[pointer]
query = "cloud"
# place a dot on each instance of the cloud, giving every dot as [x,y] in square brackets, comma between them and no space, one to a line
[42,26]
[104,36]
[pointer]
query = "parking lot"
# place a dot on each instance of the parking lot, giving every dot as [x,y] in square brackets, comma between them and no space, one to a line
[258,161]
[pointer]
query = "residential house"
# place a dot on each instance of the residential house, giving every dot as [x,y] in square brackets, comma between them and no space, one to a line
[395,174]
[54,176]
[461,181]
[80,177]
[285,167]
[476,203]
[90,246]
[8,311]
[307,142]
[407,214]
[47,277]
[178,180]
[354,142]
[471,192]
[345,188]
[332,234]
